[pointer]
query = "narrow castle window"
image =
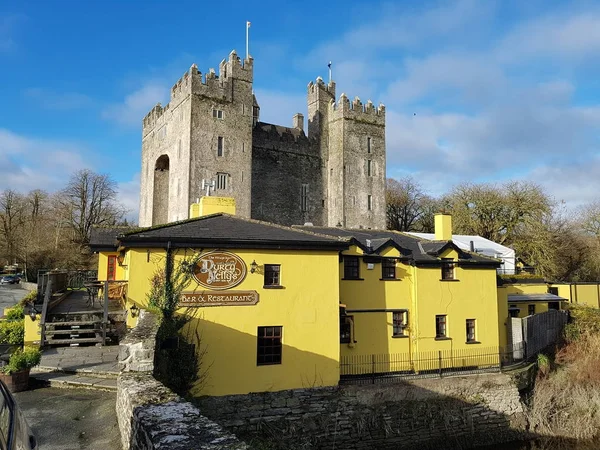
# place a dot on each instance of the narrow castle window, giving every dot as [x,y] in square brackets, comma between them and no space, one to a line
[368,145]
[369,168]
[369,202]
[179,149]
[220,146]
[304,198]
[222,181]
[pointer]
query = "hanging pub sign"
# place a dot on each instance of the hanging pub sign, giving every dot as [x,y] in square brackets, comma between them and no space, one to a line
[216,298]
[219,270]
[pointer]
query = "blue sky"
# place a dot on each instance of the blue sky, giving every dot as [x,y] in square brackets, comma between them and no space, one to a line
[474,90]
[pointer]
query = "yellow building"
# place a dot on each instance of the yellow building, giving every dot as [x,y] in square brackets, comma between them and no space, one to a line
[405,300]
[264,298]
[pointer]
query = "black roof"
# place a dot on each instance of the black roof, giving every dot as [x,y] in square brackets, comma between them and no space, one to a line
[419,251]
[279,130]
[226,231]
[105,238]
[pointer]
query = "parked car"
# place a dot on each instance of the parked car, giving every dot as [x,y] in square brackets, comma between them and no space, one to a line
[10,279]
[14,430]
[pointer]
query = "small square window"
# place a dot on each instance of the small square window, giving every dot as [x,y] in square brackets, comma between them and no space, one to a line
[268,350]
[471,330]
[272,272]
[400,323]
[351,271]
[440,326]
[218,113]
[447,269]
[388,268]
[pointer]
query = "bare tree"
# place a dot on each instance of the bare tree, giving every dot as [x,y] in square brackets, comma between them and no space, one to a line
[497,212]
[404,203]
[12,220]
[89,199]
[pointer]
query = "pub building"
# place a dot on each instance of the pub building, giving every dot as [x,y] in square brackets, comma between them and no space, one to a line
[264,298]
[281,307]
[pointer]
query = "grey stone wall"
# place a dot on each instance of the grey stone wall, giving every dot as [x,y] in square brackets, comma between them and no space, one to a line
[151,416]
[281,165]
[333,162]
[457,412]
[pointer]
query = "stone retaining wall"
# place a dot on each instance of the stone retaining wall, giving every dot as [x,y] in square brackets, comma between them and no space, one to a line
[151,416]
[456,412]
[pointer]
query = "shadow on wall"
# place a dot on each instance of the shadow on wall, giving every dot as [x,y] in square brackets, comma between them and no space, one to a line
[451,413]
[228,360]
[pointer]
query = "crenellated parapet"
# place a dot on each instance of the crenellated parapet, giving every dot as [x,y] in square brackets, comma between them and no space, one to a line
[356,110]
[320,91]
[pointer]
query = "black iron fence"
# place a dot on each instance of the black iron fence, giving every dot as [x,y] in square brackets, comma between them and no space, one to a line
[362,369]
[76,279]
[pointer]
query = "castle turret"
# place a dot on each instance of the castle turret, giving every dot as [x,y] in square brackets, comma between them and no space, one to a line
[356,164]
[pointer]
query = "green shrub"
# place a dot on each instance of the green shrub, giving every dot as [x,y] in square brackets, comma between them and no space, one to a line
[12,332]
[22,360]
[15,313]
[29,298]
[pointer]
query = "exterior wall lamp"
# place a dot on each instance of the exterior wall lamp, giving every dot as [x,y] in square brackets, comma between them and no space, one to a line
[134,310]
[32,312]
[253,266]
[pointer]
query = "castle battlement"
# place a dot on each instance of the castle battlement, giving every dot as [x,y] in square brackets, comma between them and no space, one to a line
[356,110]
[320,90]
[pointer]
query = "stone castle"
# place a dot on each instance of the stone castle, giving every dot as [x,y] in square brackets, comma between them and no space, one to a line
[333,175]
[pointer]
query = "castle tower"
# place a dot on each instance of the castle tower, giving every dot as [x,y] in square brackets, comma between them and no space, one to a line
[204,133]
[319,96]
[356,164]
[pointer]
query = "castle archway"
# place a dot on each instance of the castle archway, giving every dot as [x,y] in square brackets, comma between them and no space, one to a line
[160,203]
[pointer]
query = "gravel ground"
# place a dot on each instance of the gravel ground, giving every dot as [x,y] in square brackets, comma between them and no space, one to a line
[71,419]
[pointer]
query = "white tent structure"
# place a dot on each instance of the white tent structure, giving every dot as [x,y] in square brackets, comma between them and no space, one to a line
[482,246]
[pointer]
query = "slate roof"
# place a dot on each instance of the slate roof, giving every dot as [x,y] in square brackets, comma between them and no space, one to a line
[540,297]
[417,250]
[226,231]
[105,238]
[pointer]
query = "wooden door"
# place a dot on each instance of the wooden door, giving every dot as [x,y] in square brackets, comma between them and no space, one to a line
[112,268]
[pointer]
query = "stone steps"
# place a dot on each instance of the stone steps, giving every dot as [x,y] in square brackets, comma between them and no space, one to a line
[74,380]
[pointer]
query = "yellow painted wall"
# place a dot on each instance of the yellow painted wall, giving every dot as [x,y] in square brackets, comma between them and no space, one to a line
[585,294]
[420,291]
[32,331]
[307,308]
[103,266]
[473,296]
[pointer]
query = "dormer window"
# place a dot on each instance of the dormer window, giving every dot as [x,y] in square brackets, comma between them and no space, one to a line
[447,269]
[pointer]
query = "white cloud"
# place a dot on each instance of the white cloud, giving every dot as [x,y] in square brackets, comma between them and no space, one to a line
[129,196]
[30,163]
[567,35]
[65,101]
[279,107]
[136,105]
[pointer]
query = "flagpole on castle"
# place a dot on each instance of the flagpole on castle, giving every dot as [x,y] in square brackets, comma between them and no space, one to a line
[247,28]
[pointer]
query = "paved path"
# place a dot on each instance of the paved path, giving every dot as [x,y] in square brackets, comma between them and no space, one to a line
[71,419]
[10,294]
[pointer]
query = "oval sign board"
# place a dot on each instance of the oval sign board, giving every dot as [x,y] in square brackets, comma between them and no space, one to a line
[220,270]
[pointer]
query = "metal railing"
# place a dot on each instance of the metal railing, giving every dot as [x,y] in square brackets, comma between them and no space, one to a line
[374,368]
[76,279]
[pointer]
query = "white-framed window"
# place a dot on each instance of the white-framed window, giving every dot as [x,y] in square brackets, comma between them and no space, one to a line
[218,114]
[222,181]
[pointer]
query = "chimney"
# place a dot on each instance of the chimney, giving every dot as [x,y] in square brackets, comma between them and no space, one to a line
[443,227]
[298,121]
[212,205]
